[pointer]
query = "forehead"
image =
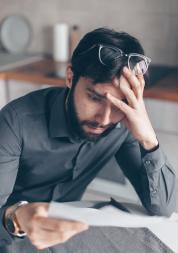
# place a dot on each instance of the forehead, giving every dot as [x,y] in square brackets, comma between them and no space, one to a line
[86,84]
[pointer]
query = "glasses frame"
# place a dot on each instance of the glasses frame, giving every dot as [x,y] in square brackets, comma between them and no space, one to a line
[145,58]
[121,54]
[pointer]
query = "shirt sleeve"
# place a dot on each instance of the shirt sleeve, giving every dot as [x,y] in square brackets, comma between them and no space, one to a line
[10,149]
[151,175]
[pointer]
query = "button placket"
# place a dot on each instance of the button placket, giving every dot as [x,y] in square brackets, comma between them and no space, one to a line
[147,162]
[80,155]
[153,190]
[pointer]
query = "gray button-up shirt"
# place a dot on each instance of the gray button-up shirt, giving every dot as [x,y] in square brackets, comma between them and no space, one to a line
[41,161]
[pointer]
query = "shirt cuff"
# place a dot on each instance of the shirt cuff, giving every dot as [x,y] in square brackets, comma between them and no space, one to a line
[145,151]
[5,237]
[153,160]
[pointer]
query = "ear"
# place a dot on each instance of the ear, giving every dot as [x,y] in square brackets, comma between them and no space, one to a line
[69,76]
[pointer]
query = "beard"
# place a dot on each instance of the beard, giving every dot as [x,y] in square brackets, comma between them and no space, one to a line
[77,125]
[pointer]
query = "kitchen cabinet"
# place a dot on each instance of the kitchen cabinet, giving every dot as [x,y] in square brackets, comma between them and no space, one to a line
[20,88]
[164,118]
[37,75]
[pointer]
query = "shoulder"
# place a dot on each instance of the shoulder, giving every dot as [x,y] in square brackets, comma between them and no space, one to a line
[34,102]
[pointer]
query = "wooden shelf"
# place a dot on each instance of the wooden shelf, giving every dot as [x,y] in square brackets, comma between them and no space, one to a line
[38,72]
[165,89]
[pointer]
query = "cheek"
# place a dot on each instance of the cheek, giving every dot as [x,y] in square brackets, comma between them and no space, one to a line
[85,109]
[117,116]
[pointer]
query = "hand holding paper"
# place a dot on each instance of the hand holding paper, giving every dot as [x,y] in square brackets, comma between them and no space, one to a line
[165,228]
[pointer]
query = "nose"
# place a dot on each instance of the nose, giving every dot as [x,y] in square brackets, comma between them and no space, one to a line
[104,116]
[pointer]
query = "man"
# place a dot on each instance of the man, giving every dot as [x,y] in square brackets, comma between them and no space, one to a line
[55,141]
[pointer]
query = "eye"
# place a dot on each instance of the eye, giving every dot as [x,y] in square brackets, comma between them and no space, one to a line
[94,98]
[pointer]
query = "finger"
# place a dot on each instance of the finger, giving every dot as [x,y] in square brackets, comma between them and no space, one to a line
[116,82]
[43,239]
[60,225]
[122,106]
[128,92]
[140,75]
[133,81]
[46,244]
[142,82]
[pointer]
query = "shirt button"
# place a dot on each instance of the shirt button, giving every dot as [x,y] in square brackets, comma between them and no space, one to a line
[154,191]
[147,162]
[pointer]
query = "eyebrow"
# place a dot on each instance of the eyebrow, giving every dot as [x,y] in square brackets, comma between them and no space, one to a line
[103,96]
[96,93]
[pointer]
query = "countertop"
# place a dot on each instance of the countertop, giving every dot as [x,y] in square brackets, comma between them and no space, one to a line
[39,72]
[165,89]
[42,72]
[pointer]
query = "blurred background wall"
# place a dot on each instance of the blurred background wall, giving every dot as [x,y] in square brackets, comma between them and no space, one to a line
[154,22]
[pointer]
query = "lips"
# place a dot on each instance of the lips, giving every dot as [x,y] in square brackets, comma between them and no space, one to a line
[96,130]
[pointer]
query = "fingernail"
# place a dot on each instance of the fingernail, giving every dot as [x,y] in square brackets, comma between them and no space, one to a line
[116,82]
[125,70]
[108,95]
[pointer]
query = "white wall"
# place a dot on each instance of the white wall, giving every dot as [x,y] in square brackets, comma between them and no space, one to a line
[154,22]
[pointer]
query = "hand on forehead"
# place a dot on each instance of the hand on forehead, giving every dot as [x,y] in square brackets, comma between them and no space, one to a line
[121,82]
[113,88]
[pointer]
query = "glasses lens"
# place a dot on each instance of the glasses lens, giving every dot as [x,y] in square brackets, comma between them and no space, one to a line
[109,55]
[138,65]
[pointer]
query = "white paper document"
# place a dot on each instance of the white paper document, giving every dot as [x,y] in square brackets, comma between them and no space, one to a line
[107,216]
[165,228]
[167,232]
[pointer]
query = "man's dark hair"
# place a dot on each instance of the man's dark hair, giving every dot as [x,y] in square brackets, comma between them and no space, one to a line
[88,64]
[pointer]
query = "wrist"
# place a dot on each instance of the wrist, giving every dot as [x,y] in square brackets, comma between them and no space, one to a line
[150,145]
[11,222]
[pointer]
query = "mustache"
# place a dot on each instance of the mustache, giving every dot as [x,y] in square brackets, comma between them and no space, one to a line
[96,124]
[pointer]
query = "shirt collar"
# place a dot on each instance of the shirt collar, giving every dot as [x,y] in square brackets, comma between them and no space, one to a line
[58,121]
